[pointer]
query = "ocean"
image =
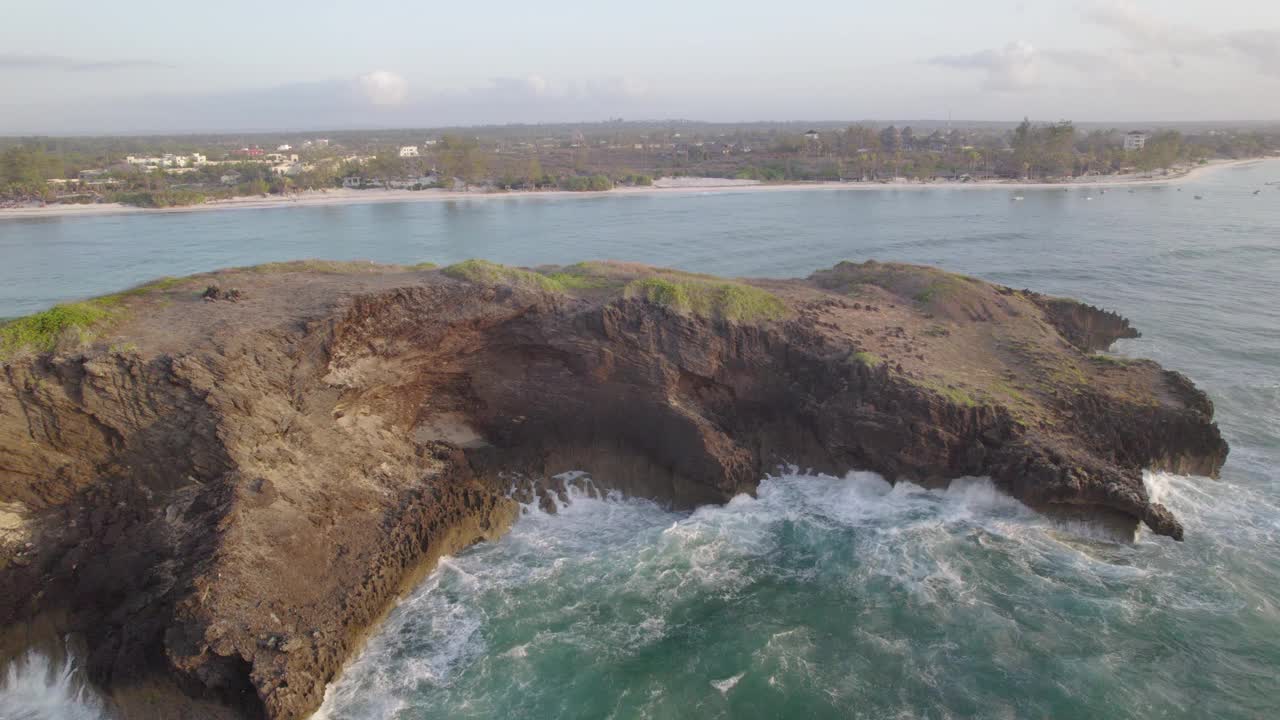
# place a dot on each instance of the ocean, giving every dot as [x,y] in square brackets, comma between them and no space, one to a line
[840,597]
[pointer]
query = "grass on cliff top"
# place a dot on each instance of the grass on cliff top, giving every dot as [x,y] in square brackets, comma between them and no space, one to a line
[867,358]
[689,293]
[705,297]
[483,272]
[42,332]
[586,276]
[77,322]
[921,283]
[579,276]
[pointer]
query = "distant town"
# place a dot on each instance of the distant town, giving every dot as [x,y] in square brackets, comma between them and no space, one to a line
[194,169]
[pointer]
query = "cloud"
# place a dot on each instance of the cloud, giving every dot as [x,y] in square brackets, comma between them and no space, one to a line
[1150,34]
[13,61]
[1260,47]
[535,86]
[376,99]
[384,88]
[1150,42]
[616,88]
[1014,67]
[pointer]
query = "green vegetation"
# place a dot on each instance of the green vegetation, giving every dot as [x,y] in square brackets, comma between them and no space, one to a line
[587,183]
[483,272]
[1009,390]
[42,332]
[80,321]
[925,285]
[924,296]
[569,280]
[583,158]
[704,297]
[943,286]
[956,395]
[1112,360]
[868,359]
[159,198]
[156,285]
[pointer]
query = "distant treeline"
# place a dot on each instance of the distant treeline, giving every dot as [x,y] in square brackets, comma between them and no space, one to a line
[89,169]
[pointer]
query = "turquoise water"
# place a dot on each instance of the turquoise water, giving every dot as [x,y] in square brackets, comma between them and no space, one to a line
[824,597]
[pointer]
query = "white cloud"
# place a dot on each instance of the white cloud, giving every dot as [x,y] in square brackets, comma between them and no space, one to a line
[1016,66]
[1149,34]
[384,88]
[616,88]
[1260,47]
[1150,47]
[536,84]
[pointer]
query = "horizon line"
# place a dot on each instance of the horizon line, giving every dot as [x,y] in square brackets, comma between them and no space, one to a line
[959,123]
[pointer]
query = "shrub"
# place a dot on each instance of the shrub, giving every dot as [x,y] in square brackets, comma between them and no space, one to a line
[42,331]
[708,298]
[159,198]
[586,183]
[483,272]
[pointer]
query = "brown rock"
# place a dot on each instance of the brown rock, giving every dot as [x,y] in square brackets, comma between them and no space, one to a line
[233,506]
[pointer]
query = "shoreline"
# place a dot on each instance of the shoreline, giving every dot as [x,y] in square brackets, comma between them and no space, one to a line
[675,186]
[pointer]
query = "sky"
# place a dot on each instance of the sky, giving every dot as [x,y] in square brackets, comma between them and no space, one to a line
[135,66]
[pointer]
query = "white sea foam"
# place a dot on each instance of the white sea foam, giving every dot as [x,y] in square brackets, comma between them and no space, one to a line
[727,684]
[604,580]
[35,687]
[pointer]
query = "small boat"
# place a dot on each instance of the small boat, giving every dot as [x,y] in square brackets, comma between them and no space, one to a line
[1104,192]
[1199,197]
[1089,198]
[1257,192]
[1018,197]
[1132,191]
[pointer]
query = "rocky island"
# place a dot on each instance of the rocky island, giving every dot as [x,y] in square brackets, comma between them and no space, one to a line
[220,483]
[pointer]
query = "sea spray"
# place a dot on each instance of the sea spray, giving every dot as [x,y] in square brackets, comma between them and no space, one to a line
[38,687]
[821,597]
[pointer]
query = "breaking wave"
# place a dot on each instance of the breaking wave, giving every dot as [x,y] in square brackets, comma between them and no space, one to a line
[37,687]
[820,595]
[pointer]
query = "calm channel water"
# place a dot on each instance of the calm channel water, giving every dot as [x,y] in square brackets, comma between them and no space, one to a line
[823,597]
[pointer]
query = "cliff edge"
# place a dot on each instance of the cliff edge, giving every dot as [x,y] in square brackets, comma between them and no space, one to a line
[221,482]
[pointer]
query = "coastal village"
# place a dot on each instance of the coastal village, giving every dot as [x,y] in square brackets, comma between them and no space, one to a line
[165,172]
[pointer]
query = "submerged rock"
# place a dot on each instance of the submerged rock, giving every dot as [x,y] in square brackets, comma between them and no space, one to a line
[224,510]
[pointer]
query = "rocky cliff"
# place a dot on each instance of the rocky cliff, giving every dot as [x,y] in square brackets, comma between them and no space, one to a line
[222,492]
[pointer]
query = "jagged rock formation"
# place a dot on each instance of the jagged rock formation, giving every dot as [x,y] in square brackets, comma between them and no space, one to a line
[222,498]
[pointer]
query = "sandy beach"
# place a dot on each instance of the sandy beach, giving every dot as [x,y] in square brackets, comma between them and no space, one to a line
[666,185]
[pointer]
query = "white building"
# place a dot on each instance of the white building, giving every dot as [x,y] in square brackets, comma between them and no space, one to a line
[409,151]
[291,168]
[168,160]
[284,148]
[1135,140]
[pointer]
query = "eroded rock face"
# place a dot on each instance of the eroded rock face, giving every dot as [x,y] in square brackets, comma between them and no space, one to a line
[233,504]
